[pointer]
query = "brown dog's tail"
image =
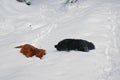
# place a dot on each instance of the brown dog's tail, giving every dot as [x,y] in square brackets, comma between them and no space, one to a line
[19,46]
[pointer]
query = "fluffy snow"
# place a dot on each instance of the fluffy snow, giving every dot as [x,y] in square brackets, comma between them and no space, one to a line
[45,23]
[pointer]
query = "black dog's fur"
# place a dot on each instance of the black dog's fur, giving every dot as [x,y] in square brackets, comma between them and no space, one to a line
[74,44]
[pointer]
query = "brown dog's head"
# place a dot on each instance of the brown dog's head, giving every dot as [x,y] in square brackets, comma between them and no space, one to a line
[41,53]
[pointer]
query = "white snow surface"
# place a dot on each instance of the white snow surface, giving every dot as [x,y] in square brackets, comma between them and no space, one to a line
[45,23]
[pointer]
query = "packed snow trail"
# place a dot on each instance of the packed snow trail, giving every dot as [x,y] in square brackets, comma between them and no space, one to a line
[44,24]
[115,24]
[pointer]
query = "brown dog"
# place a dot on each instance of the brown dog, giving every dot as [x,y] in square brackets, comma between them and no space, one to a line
[29,51]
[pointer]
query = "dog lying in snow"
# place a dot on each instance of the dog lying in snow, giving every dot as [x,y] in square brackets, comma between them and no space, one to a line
[74,44]
[29,51]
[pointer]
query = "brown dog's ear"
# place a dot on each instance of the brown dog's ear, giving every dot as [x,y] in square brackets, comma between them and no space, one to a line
[19,46]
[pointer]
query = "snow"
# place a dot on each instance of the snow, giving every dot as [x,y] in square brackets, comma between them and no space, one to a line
[45,23]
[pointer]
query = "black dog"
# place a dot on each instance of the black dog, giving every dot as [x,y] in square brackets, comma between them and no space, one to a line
[74,44]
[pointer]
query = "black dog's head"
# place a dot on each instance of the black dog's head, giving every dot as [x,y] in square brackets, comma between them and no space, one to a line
[58,47]
[55,46]
[91,46]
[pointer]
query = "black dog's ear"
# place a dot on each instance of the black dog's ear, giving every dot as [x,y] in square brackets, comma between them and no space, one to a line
[86,49]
